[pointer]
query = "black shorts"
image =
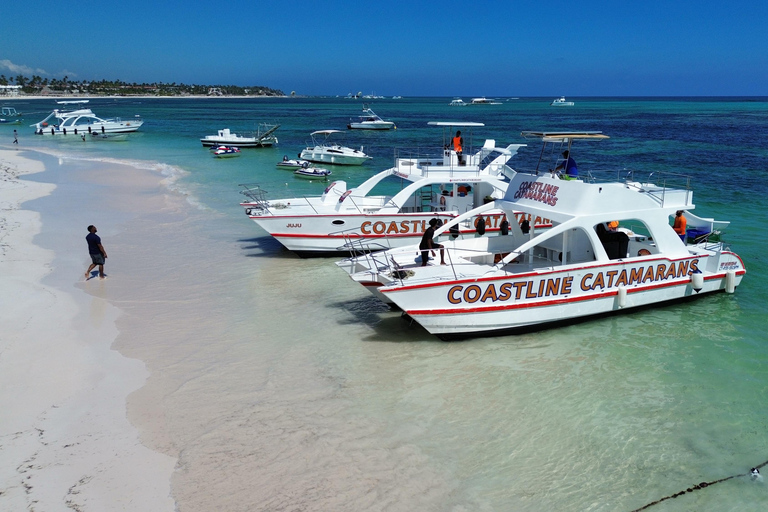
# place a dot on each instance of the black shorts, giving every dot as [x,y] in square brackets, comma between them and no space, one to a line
[97,259]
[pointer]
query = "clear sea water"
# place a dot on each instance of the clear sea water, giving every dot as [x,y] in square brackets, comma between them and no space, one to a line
[284,386]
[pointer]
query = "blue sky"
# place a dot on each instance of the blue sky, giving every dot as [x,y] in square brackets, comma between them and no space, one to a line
[446,48]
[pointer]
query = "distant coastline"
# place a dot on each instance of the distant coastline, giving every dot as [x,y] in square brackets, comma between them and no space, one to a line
[72,97]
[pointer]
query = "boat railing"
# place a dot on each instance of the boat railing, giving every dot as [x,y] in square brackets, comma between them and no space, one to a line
[259,201]
[257,196]
[356,243]
[662,186]
[422,162]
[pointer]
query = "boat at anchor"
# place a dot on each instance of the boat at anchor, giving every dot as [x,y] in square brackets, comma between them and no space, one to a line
[393,207]
[82,121]
[575,248]
[325,150]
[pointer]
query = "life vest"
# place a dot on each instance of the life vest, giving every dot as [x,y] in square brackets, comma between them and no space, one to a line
[457,144]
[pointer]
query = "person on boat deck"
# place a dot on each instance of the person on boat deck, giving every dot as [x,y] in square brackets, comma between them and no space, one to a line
[613,226]
[569,166]
[458,143]
[427,244]
[680,225]
[462,190]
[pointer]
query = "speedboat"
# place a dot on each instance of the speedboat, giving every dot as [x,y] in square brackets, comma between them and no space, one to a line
[263,138]
[560,102]
[575,248]
[457,102]
[393,207]
[370,121]
[312,173]
[225,151]
[324,150]
[291,164]
[82,121]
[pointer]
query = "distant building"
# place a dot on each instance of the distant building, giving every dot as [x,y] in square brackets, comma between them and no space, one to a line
[10,90]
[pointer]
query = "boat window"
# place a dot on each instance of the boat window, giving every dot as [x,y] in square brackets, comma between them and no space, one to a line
[625,238]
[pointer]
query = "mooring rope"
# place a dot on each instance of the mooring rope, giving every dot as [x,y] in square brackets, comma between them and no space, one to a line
[754,473]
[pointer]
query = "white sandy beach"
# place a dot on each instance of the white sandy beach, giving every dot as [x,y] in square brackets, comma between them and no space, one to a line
[65,440]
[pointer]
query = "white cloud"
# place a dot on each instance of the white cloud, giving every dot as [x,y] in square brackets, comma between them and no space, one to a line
[21,69]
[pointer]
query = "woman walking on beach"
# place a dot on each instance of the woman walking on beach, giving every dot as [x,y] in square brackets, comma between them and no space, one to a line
[97,252]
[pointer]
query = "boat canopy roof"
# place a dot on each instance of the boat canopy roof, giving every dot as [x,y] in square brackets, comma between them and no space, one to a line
[454,123]
[326,132]
[563,136]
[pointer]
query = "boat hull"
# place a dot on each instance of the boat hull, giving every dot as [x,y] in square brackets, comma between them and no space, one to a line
[127,127]
[330,233]
[540,297]
[383,125]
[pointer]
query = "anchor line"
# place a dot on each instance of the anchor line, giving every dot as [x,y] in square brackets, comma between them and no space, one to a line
[696,487]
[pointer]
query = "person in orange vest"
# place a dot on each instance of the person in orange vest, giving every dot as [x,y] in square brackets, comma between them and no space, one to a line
[680,224]
[458,142]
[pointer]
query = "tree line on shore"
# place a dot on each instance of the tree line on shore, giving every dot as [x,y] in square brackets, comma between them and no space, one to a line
[41,86]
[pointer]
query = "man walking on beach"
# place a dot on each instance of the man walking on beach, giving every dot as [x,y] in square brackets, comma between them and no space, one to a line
[15,137]
[97,252]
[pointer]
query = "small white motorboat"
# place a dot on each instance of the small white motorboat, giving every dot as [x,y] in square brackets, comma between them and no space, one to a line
[291,164]
[457,102]
[370,121]
[225,151]
[312,173]
[326,151]
[560,102]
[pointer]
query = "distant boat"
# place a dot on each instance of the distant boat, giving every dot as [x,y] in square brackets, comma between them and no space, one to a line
[560,102]
[8,113]
[312,173]
[225,151]
[484,101]
[292,164]
[263,138]
[457,102]
[328,152]
[370,121]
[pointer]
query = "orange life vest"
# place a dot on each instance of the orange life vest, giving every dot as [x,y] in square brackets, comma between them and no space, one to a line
[457,144]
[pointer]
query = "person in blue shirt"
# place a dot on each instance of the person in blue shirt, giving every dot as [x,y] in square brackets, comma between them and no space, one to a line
[96,251]
[569,166]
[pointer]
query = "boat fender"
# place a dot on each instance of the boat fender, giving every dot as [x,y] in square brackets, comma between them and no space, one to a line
[480,226]
[697,281]
[730,281]
[504,227]
[622,296]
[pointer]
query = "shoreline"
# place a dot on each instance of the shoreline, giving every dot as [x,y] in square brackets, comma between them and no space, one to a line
[65,439]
